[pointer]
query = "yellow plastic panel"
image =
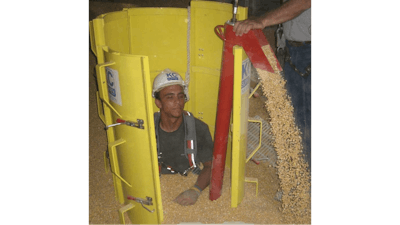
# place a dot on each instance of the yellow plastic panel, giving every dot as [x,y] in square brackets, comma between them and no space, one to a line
[116,31]
[91,36]
[96,27]
[161,34]
[240,112]
[207,47]
[205,99]
[205,56]
[136,150]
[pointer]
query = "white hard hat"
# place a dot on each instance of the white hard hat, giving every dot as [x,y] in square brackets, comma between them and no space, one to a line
[168,78]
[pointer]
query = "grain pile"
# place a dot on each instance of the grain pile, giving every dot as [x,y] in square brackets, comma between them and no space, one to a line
[292,169]
[261,209]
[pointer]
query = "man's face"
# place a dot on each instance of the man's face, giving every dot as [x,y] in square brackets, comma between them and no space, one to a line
[172,101]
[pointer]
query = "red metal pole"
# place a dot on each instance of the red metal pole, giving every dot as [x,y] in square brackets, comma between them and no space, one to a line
[252,43]
[224,109]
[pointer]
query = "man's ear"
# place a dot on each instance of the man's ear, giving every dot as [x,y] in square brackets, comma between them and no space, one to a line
[158,103]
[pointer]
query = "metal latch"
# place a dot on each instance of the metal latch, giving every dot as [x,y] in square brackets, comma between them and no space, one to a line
[148,201]
[139,123]
[280,38]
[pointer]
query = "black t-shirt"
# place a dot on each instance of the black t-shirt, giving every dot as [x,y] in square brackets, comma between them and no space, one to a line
[172,146]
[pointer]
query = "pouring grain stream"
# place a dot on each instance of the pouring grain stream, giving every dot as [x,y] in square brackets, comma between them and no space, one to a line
[292,169]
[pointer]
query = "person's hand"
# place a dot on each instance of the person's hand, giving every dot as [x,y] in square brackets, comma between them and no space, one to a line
[243,27]
[188,197]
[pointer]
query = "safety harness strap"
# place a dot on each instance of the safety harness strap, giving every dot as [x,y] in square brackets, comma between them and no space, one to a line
[190,144]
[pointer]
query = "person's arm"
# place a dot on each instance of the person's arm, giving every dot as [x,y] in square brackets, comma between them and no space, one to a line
[205,176]
[288,11]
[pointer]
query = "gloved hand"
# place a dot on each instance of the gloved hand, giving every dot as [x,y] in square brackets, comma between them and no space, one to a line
[188,197]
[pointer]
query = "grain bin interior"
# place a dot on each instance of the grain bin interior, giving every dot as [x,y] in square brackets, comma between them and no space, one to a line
[132,46]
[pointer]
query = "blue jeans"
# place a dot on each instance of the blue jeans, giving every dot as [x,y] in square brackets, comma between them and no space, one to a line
[299,89]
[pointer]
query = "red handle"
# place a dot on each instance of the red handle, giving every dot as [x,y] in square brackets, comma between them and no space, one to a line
[130,197]
[219,32]
[120,121]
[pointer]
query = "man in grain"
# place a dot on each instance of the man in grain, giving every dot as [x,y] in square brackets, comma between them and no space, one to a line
[295,15]
[183,142]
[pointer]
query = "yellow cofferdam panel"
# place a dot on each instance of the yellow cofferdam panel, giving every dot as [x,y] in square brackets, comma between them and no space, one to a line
[240,113]
[129,89]
[161,34]
[116,31]
[206,56]
[207,47]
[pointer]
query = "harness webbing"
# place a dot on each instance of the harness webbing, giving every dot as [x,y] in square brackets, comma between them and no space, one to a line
[190,144]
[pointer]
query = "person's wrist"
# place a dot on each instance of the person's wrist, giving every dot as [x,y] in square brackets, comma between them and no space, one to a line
[264,22]
[197,189]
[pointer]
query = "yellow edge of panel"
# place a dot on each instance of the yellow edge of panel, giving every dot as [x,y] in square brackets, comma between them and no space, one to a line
[237,52]
[98,32]
[192,106]
[240,15]
[151,130]
[92,39]
[228,160]
[211,5]
[157,11]
[108,17]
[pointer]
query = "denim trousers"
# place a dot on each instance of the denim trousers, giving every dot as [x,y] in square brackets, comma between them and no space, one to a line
[299,89]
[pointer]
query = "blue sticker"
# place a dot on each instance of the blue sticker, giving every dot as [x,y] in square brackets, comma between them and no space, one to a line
[246,71]
[114,92]
[109,77]
[172,76]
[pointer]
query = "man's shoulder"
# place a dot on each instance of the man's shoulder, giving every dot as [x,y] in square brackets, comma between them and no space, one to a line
[200,122]
[201,126]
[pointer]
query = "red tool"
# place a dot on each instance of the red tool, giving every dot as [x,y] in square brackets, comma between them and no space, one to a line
[139,123]
[255,161]
[252,43]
